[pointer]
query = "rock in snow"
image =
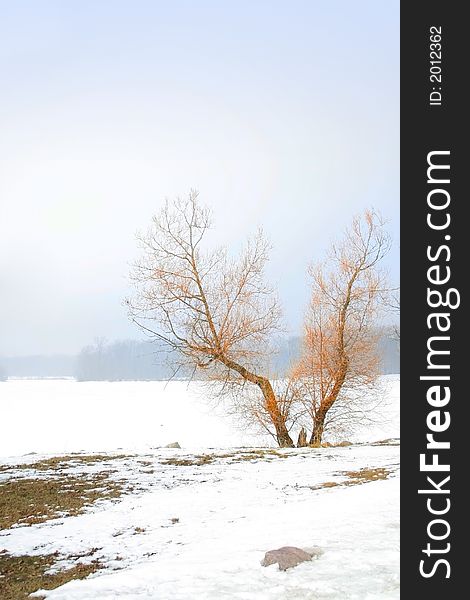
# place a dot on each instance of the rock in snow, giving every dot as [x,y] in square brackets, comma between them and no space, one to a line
[173,445]
[288,556]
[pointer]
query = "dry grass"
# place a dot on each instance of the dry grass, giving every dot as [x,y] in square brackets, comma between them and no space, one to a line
[258,455]
[193,461]
[342,444]
[43,490]
[29,501]
[54,487]
[327,484]
[26,500]
[22,575]
[365,475]
[59,463]
[199,460]
[387,442]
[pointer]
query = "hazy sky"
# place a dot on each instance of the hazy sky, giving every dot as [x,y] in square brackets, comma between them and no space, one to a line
[283,114]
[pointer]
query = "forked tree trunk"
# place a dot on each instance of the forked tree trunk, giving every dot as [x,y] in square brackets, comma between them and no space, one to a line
[270,401]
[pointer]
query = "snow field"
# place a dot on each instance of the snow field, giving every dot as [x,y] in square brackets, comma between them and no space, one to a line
[60,416]
[200,531]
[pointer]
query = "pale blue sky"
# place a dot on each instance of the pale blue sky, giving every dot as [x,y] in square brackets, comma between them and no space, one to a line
[283,114]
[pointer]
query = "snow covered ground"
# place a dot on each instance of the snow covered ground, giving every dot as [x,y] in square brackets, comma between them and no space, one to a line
[53,416]
[199,531]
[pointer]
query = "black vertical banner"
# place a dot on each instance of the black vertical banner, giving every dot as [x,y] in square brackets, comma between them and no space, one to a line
[434,259]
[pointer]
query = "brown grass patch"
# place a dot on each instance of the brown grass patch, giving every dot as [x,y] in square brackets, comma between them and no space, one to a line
[365,475]
[327,484]
[199,460]
[59,463]
[258,455]
[22,575]
[387,442]
[35,500]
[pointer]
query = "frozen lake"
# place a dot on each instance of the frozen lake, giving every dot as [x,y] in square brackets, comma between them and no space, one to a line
[56,416]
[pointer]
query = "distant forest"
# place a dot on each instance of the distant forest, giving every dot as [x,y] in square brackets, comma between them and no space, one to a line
[130,360]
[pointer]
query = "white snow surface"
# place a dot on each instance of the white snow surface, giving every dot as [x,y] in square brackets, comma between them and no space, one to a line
[56,416]
[229,512]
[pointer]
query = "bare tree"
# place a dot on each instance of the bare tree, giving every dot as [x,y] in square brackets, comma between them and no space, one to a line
[340,358]
[216,312]
[251,411]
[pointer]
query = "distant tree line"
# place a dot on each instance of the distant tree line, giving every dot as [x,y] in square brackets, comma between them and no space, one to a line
[124,360]
[133,360]
[136,360]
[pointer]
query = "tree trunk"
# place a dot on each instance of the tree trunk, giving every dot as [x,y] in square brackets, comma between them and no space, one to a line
[326,404]
[317,433]
[283,438]
[270,401]
[282,435]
